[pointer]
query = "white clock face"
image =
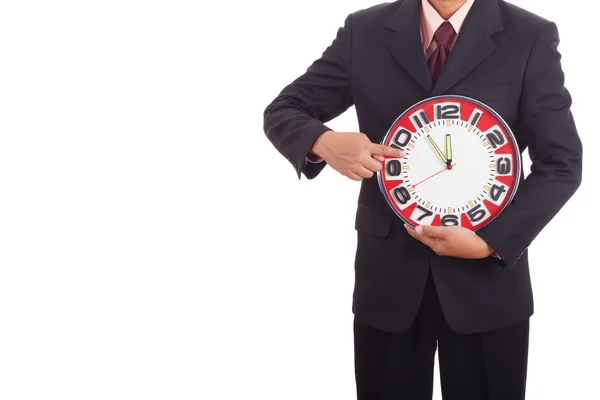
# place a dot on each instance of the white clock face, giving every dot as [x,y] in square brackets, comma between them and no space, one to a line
[461,167]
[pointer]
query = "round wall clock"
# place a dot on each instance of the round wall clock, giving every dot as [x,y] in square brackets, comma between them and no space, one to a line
[462,164]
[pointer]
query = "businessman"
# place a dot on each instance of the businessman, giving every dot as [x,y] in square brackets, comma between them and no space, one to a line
[467,295]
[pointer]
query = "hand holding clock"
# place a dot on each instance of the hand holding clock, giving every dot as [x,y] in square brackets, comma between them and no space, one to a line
[448,202]
[454,241]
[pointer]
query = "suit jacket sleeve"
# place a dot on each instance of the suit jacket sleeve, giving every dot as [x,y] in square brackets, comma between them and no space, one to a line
[297,117]
[554,147]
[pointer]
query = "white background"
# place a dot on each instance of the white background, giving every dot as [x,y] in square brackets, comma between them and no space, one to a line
[154,245]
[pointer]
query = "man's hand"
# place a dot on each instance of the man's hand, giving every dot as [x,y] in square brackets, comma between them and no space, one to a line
[454,241]
[352,154]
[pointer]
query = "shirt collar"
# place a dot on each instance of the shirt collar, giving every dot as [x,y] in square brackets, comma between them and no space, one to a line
[431,20]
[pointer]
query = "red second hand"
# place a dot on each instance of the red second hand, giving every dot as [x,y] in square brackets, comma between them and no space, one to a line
[436,174]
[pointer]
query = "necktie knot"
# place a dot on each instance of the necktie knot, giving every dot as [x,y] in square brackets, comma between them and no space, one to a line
[443,37]
[444,34]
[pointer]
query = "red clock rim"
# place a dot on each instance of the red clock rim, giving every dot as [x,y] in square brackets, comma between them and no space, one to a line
[507,129]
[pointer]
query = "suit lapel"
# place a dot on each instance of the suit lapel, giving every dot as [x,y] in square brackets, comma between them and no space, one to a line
[473,45]
[405,44]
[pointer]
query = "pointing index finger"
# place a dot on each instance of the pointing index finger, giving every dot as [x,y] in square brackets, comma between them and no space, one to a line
[385,151]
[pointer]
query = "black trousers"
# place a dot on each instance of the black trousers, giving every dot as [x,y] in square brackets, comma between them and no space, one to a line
[399,366]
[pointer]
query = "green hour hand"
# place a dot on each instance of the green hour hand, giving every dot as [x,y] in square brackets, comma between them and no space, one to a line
[437,149]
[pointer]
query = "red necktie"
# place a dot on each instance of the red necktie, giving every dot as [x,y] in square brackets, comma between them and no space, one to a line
[443,37]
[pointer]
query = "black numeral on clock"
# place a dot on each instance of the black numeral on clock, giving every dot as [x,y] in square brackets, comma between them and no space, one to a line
[447,111]
[477,213]
[475,117]
[401,195]
[504,166]
[496,138]
[426,213]
[450,220]
[401,139]
[394,168]
[497,191]
[420,119]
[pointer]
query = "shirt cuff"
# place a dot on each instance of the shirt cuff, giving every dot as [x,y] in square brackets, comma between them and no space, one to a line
[313,159]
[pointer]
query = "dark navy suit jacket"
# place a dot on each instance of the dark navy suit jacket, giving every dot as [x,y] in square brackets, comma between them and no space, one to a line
[505,57]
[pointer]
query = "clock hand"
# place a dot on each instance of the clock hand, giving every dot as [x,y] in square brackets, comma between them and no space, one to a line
[437,149]
[434,175]
[449,151]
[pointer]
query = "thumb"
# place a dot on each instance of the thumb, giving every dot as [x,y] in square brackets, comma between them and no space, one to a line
[431,231]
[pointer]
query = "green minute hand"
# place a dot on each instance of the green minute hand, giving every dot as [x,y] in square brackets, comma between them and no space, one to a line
[449,150]
[437,149]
